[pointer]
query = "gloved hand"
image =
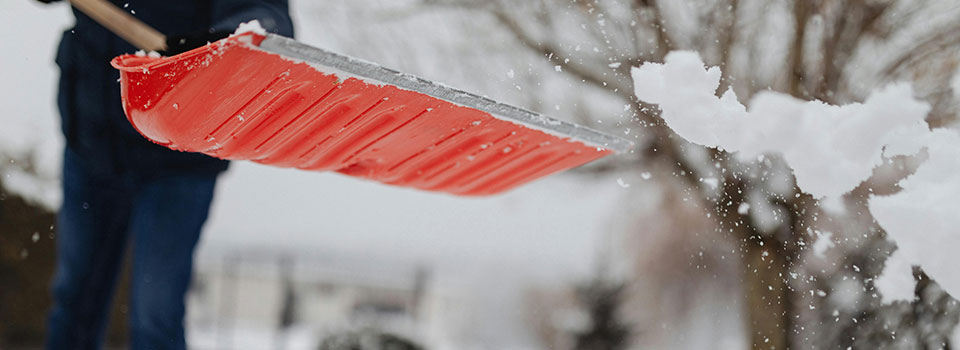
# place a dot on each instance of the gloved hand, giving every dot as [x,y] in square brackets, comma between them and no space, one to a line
[180,43]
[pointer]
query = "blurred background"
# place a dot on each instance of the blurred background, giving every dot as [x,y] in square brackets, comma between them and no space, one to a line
[657,249]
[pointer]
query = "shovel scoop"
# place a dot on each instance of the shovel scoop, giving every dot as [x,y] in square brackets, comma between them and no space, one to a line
[269,99]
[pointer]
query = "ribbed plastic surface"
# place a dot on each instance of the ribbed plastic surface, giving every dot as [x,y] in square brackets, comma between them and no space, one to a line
[232,100]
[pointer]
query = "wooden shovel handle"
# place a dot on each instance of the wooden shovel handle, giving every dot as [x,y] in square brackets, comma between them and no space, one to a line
[122,24]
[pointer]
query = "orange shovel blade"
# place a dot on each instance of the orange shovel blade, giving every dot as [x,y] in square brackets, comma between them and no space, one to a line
[235,99]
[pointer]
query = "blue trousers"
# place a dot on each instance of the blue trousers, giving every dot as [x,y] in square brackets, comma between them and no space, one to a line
[159,217]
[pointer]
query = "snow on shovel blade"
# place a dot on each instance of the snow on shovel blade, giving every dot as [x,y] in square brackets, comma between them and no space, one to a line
[272,100]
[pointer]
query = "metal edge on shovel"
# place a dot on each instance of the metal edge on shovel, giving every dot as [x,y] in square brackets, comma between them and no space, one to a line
[290,48]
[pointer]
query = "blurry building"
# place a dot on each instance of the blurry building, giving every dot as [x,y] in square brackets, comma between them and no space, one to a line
[253,298]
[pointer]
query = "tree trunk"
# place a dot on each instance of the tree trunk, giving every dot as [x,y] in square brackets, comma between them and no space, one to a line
[766,295]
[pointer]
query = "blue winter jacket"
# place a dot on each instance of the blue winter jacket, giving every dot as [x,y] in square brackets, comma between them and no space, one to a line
[93,121]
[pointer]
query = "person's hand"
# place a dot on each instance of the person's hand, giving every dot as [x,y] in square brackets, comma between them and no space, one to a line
[180,43]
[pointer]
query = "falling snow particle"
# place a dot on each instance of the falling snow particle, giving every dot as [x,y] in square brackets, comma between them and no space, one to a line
[744,208]
[823,243]
[711,181]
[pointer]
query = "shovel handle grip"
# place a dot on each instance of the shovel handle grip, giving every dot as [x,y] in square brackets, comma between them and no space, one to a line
[123,24]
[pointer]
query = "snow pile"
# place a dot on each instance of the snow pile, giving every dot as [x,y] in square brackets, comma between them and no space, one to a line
[151,54]
[250,27]
[813,137]
[831,149]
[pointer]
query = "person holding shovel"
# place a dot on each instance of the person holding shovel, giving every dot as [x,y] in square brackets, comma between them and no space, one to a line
[120,189]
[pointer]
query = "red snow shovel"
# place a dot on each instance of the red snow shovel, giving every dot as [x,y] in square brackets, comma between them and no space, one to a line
[272,100]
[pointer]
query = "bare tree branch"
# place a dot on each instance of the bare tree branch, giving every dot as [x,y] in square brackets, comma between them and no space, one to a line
[558,57]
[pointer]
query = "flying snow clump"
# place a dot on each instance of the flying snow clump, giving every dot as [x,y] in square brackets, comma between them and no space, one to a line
[832,150]
[815,138]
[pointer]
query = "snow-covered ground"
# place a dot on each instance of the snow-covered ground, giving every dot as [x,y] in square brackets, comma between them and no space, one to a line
[549,227]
